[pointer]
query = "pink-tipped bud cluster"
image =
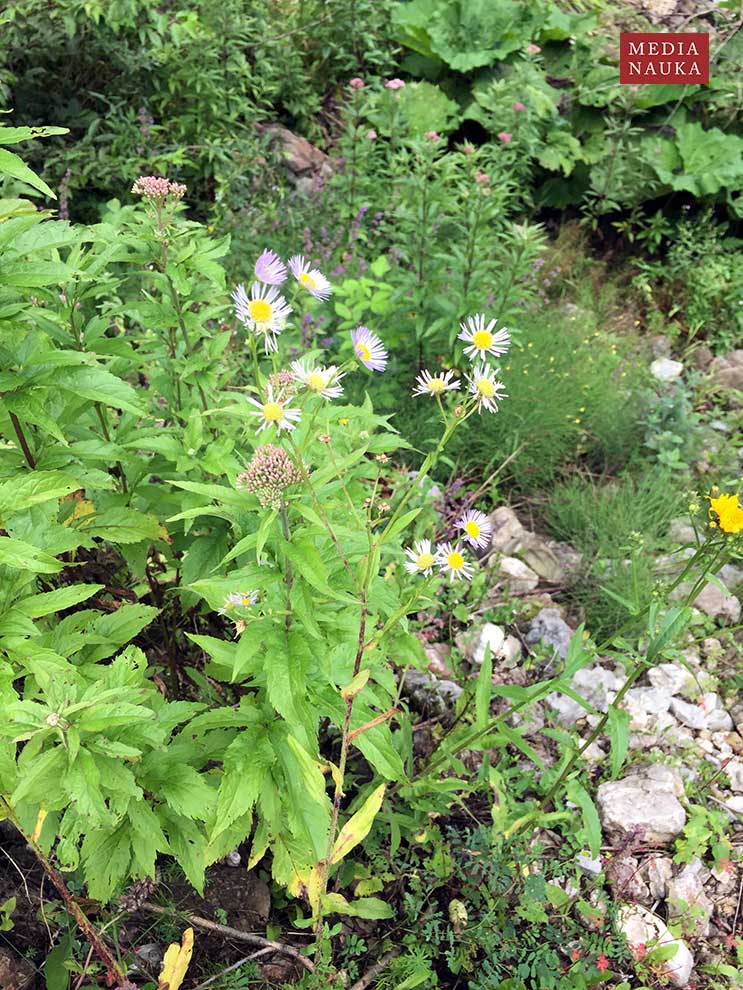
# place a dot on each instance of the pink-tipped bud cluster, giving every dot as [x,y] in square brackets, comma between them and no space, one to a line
[283,381]
[270,472]
[157,188]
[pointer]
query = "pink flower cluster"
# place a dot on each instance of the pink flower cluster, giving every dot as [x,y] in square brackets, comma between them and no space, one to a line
[270,472]
[157,188]
[394,84]
[356,83]
[282,380]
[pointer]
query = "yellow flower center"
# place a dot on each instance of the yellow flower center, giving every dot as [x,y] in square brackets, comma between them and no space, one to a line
[317,382]
[482,339]
[245,601]
[485,387]
[472,529]
[424,561]
[455,560]
[308,281]
[273,412]
[363,352]
[436,386]
[260,310]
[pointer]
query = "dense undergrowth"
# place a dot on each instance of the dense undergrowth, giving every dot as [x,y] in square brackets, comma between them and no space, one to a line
[253,418]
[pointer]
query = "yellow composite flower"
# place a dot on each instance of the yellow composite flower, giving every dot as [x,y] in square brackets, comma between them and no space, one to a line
[729,513]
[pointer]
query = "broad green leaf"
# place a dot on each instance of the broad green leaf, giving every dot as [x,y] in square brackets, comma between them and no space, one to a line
[48,602]
[22,556]
[580,796]
[12,165]
[619,721]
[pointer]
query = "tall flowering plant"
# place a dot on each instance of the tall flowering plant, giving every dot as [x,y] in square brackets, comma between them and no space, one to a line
[316,604]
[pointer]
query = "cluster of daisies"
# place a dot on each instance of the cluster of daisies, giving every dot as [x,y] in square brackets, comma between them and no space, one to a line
[448,557]
[483,343]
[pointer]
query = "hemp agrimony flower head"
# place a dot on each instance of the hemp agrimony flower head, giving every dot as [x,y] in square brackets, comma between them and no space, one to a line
[269,474]
[158,190]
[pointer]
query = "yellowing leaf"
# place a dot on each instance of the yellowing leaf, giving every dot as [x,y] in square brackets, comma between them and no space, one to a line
[39,825]
[175,963]
[353,687]
[357,827]
[83,508]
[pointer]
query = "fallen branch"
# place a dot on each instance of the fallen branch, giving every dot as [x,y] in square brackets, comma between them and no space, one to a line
[381,964]
[211,926]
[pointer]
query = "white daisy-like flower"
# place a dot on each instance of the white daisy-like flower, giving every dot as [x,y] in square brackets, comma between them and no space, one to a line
[270,268]
[275,411]
[369,349]
[265,311]
[238,599]
[422,558]
[311,278]
[322,381]
[428,384]
[486,388]
[477,528]
[451,562]
[483,340]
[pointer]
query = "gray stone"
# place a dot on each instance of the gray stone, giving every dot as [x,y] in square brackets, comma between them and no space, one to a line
[689,714]
[652,700]
[589,865]
[734,804]
[518,576]
[596,684]
[644,803]
[718,720]
[549,627]
[508,533]
[687,900]
[671,677]
[727,371]
[717,605]
[681,532]
[663,369]
[511,651]
[734,771]
[428,693]
[492,637]
[659,872]
[642,928]
[554,562]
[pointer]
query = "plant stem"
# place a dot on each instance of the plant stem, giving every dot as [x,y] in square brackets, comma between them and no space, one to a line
[288,573]
[114,968]
[22,441]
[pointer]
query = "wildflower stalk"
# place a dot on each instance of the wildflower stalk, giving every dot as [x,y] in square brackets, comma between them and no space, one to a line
[22,441]
[115,970]
[288,572]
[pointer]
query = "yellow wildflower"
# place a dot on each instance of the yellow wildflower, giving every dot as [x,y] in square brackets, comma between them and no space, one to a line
[728,511]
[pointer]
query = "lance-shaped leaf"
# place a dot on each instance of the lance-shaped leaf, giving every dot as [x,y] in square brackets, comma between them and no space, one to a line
[357,827]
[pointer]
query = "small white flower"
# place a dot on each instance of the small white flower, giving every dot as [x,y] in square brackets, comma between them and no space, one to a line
[275,411]
[322,381]
[311,278]
[483,340]
[369,349]
[422,558]
[451,562]
[477,528]
[265,311]
[486,388]
[238,599]
[429,384]
[270,268]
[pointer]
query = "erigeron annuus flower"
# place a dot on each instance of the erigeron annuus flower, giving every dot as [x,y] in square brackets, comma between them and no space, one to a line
[275,411]
[265,311]
[311,278]
[450,561]
[421,558]
[238,599]
[428,384]
[482,339]
[486,388]
[269,268]
[369,349]
[729,513]
[476,527]
[321,381]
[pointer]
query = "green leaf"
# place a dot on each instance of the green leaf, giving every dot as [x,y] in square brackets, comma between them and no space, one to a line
[247,761]
[619,721]
[22,556]
[12,165]
[34,488]
[306,793]
[371,908]
[579,795]
[122,525]
[484,690]
[36,606]
[105,855]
